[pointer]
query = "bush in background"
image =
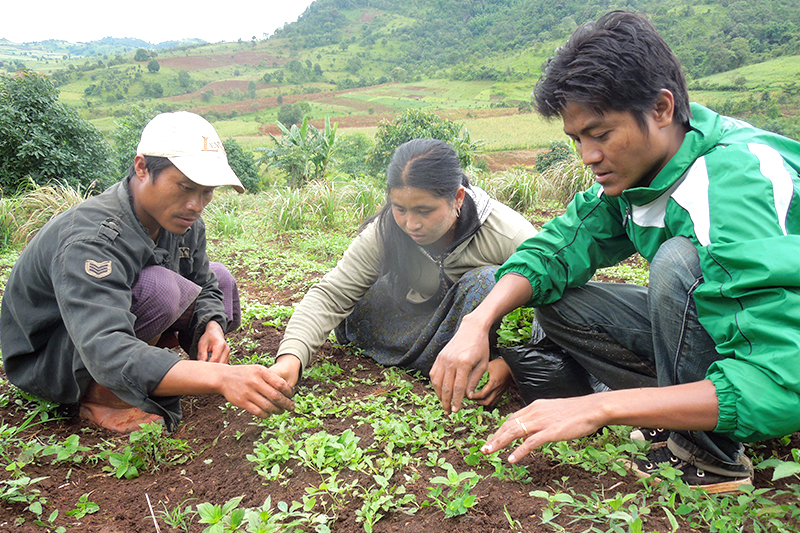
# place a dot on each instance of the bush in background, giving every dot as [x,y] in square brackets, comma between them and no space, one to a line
[243,164]
[44,142]
[126,139]
[302,153]
[418,124]
[351,154]
[558,151]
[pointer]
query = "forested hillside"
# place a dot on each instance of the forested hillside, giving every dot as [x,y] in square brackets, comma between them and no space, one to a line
[709,37]
[360,61]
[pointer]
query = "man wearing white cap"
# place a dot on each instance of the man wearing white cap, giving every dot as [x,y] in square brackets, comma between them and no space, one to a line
[101,291]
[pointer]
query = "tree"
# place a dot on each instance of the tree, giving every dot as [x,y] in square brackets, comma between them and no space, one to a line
[243,164]
[290,114]
[42,140]
[153,90]
[126,138]
[418,124]
[185,79]
[303,153]
[153,66]
[141,55]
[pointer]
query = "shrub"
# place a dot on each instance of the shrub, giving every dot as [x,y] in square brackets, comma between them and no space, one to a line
[558,151]
[416,124]
[126,139]
[351,153]
[37,206]
[564,179]
[290,114]
[43,140]
[243,164]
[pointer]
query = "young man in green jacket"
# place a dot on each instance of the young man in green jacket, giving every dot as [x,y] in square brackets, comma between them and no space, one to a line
[710,350]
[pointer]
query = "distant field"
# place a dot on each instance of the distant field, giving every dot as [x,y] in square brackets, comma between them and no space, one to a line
[515,132]
[769,74]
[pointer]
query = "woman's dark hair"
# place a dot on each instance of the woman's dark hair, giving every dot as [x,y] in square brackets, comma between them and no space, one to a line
[428,164]
[619,63]
[154,165]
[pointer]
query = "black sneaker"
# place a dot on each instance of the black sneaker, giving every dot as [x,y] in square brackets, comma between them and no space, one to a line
[656,437]
[690,474]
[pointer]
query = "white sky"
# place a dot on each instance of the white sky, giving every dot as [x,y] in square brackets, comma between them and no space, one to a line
[154,21]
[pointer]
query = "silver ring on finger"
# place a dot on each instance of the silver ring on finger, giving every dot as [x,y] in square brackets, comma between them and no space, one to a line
[522,425]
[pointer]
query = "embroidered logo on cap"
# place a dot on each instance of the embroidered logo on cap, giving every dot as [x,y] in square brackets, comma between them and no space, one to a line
[97,269]
[212,145]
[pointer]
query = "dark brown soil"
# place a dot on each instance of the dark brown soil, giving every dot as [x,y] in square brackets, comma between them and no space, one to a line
[220,471]
[222,437]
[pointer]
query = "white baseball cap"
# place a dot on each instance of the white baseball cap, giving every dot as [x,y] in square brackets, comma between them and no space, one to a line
[191,143]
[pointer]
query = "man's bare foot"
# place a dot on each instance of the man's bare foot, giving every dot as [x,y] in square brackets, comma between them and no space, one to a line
[121,420]
[104,408]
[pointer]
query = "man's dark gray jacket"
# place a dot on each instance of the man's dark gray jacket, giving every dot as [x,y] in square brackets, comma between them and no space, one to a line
[66,319]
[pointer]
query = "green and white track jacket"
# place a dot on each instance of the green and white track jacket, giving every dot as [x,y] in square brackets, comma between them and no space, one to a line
[734,191]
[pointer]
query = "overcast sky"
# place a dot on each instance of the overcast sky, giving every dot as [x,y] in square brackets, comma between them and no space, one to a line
[154,21]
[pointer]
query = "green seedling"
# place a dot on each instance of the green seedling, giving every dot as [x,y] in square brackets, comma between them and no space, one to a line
[157,449]
[69,450]
[326,453]
[270,456]
[513,524]
[384,499]
[221,518]
[49,523]
[179,518]
[458,500]
[515,328]
[126,465]
[83,507]
[20,489]
[782,468]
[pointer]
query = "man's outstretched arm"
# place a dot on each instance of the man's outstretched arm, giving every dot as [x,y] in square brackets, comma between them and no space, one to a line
[255,388]
[461,363]
[690,406]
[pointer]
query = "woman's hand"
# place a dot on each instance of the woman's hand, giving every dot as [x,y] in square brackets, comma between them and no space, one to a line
[499,380]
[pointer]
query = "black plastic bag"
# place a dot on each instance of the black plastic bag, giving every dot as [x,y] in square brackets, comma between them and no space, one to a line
[543,370]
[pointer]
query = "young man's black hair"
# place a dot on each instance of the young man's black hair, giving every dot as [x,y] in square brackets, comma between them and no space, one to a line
[618,63]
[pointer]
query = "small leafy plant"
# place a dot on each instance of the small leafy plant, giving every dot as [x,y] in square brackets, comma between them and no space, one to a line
[457,500]
[83,507]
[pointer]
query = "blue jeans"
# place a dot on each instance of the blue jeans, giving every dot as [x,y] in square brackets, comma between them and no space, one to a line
[631,336]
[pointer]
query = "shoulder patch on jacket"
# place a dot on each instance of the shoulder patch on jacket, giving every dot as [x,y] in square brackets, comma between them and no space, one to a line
[97,269]
[109,230]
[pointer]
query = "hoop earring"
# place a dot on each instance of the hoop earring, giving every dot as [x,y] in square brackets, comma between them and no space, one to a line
[458,212]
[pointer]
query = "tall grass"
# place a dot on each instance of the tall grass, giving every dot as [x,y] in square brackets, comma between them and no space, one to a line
[564,179]
[321,205]
[363,200]
[8,222]
[25,215]
[517,188]
[524,190]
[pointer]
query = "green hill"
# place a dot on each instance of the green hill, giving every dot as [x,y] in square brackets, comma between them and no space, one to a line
[358,61]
